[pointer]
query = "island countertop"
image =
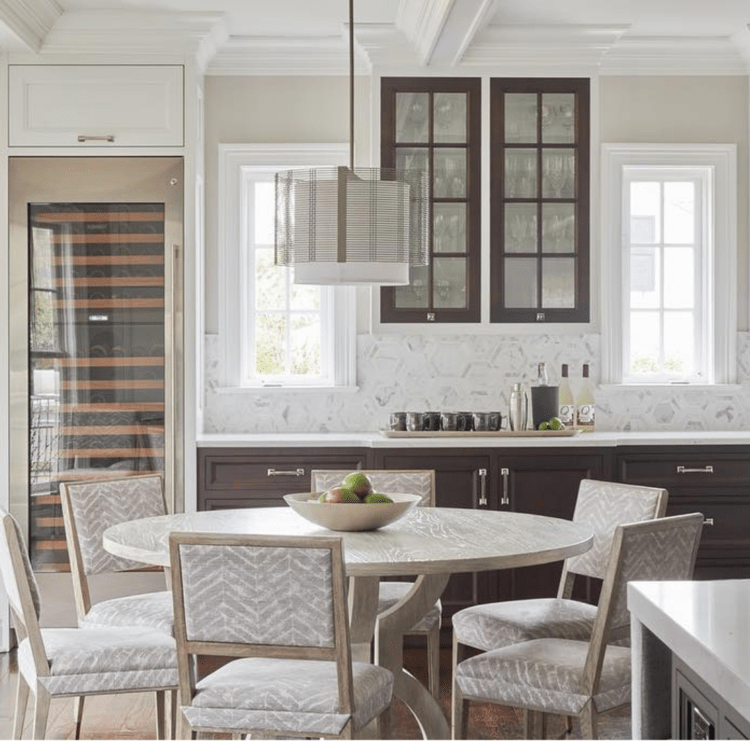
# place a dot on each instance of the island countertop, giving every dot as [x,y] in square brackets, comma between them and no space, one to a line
[503,440]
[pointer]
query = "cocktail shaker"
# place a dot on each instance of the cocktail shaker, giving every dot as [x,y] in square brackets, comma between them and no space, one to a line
[518,408]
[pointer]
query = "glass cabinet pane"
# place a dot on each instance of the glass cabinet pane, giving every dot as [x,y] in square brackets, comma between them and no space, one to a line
[558,173]
[520,228]
[450,282]
[412,118]
[417,293]
[558,282]
[449,228]
[521,118]
[413,158]
[558,228]
[558,118]
[520,282]
[450,118]
[520,173]
[450,173]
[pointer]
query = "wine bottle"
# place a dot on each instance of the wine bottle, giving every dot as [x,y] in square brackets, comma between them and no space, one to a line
[541,374]
[567,406]
[586,411]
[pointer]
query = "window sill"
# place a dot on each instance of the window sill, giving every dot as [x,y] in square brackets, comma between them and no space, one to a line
[695,387]
[256,389]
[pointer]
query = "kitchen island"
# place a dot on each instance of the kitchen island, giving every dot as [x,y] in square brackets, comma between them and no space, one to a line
[691,659]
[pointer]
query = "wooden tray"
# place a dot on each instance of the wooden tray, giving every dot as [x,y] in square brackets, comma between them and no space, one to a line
[470,434]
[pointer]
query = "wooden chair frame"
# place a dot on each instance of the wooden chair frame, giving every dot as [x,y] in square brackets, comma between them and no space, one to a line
[602,634]
[26,624]
[187,649]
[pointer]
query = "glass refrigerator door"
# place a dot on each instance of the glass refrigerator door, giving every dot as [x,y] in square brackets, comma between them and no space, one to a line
[96,353]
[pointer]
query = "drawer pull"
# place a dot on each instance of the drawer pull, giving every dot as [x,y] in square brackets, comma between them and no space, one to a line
[505,499]
[286,473]
[708,522]
[107,138]
[482,486]
[704,470]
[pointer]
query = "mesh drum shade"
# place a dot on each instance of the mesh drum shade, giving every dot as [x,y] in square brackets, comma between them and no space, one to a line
[341,226]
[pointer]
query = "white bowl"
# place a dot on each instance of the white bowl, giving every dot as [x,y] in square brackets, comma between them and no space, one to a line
[351,516]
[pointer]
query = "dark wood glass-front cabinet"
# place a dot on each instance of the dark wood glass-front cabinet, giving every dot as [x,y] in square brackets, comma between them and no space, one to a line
[540,200]
[433,124]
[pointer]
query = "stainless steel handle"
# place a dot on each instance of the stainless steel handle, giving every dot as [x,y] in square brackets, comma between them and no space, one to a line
[107,138]
[505,499]
[286,473]
[708,522]
[482,486]
[704,470]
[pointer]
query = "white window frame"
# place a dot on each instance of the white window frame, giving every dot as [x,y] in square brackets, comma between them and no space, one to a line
[720,214]
[239,165]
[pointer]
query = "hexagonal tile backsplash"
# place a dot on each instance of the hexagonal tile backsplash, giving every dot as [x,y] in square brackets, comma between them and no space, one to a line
[468,373]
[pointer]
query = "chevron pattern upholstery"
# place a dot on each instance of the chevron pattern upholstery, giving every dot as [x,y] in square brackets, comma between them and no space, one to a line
[152,610]
[420,483]
[290,604]
[278,604]
[601,507]
[74,662]
[552,675]
[98,505]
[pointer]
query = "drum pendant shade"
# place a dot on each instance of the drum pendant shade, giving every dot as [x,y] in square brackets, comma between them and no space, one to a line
[342,226]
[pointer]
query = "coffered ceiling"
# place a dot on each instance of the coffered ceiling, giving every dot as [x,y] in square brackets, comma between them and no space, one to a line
[272,37]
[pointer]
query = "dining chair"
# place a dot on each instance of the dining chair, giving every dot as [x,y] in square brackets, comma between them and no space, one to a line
[390,593]
[277,606]
[575,677]
[601,507]
[89,508]
[71,662]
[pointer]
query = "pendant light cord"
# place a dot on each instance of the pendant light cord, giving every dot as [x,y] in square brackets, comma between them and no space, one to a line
[351,85]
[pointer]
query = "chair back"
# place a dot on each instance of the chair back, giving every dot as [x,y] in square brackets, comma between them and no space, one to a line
[602,507]
[420,482]
[89,509]
[22,589]
[272,597]
[660,550]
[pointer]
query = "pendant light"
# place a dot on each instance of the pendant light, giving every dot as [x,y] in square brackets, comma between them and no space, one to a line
[352,226]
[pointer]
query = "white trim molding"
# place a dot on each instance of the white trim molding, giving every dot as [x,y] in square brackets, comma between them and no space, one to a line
[236,162]
[721,158]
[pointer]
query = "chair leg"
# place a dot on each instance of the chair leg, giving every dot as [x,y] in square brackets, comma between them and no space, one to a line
[22,699]
[160,714]
[588,719]
[172,729]
[533,724]
[459,714]
[78,714]
[433,661]
[41,712]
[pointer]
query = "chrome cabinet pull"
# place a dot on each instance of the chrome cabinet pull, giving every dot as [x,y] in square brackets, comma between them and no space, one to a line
[107,138]
[704,470]
[482,486]
[708,522]
[285,473]
[505,499]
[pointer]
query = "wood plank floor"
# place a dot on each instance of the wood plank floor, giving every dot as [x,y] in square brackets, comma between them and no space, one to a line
[132,716]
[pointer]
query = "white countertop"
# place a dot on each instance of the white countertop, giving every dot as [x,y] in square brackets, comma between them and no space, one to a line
[707,624]
[377,440]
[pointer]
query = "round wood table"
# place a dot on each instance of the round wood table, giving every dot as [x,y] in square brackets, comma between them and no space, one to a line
[430,543]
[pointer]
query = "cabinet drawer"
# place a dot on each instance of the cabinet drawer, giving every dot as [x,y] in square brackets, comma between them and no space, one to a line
[105,105]
[687,471]
[726,530]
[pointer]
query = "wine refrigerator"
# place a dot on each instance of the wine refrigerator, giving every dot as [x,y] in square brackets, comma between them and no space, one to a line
[96,332]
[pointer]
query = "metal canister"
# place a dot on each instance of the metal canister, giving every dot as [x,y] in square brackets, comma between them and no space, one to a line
[518,410]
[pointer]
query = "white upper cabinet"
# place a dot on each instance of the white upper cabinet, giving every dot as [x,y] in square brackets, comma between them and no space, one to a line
[95,105]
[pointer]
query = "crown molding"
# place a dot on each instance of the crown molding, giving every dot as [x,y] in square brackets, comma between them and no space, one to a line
[533,50]
[156,35]
[385,45]
[677,56]
[422,23]
[286,56]
[24,24]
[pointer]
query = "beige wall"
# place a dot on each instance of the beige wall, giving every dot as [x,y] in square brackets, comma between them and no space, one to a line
[276,109]
[680,109]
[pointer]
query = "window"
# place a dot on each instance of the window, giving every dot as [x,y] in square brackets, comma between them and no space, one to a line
[276,333]
[670,264]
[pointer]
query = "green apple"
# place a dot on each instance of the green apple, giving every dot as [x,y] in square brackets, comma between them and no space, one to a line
[377,497]
[339,495]
[358,483]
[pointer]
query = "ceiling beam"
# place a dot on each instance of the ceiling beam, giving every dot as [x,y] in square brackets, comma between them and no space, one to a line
[24,24]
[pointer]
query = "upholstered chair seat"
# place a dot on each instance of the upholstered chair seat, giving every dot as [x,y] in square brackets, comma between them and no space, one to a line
[103,660]
[152,610]
[545,675]
[287,696]
[489,626]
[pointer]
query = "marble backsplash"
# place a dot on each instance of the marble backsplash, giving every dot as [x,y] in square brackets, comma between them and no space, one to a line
[468,373]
